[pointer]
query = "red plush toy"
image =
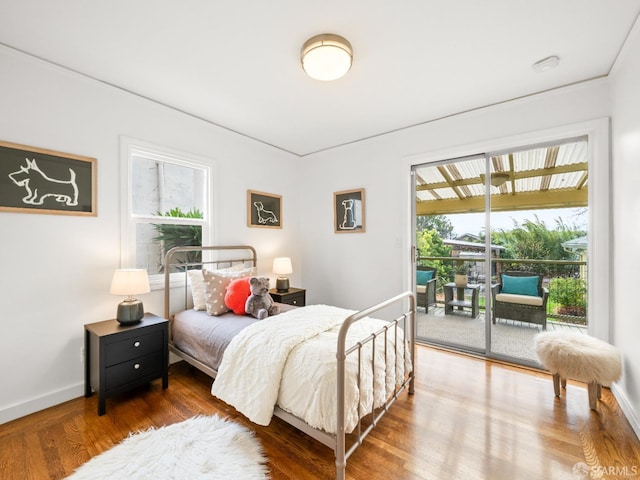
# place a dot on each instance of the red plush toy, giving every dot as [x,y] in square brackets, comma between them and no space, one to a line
[236,295]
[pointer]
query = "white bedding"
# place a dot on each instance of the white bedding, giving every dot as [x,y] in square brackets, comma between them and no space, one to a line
[290,360]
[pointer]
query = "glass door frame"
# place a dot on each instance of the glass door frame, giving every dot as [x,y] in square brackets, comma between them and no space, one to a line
[415,252]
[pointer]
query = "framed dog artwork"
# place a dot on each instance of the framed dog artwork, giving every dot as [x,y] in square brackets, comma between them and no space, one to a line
[36,180]
[348,211]
[264,210]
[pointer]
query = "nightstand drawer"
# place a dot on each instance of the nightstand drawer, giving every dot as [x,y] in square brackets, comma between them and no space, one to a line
[293,296]
[297,299]
[133,370]
[134,347]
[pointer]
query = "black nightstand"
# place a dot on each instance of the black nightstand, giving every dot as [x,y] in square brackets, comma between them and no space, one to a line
[119,358]
[294,296]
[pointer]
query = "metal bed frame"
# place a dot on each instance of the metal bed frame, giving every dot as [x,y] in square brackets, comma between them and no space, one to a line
[337,441]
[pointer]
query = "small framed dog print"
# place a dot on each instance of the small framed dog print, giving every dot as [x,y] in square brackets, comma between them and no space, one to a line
[264,210]
[35,180]
[348,211]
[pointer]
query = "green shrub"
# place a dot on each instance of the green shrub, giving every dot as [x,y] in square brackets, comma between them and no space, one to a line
[569,294]
[171,235]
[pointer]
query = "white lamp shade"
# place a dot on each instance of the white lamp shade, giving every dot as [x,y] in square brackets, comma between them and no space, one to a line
[282,266]
[326,57]
[130,281]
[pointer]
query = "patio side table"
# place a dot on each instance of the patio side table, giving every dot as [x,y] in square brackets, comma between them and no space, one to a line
[459,301]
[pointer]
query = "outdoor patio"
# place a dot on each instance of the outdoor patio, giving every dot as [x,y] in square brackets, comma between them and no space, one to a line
[508,337]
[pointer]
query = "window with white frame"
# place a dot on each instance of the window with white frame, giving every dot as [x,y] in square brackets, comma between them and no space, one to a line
[167,204]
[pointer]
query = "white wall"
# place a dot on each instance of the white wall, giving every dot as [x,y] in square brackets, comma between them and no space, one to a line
[55,270]
[625,127]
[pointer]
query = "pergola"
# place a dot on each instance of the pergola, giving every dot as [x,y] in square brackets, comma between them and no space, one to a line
[546,177]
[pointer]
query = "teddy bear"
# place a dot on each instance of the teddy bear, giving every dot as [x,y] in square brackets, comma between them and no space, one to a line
[260,304]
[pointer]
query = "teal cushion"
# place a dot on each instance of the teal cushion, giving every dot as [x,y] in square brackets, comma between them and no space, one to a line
[423,276]
[520,285]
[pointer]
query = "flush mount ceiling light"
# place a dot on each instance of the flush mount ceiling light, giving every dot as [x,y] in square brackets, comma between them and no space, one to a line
[326,57]
[546,64]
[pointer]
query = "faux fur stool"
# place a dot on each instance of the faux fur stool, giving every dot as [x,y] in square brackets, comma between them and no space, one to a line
[578,357]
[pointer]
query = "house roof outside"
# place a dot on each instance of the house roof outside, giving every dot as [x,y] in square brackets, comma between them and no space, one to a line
[577,244]
[466,248]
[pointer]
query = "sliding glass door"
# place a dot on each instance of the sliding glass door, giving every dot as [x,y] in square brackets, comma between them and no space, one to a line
[492,293]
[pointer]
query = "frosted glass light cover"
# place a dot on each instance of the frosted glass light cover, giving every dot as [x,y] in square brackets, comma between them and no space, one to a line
[326,57]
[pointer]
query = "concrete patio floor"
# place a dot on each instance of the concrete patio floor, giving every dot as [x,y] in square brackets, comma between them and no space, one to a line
[508,337]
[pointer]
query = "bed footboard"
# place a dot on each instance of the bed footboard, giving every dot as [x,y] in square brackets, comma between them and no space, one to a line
[405,323]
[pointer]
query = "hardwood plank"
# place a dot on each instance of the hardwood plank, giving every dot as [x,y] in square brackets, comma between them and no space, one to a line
[469,418]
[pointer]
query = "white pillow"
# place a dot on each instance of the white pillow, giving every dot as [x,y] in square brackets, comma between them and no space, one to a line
[196,279]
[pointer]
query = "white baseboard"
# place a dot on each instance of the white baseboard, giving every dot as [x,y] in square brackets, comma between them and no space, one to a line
[51,399]
[627,408]
[35,405]
[19,410]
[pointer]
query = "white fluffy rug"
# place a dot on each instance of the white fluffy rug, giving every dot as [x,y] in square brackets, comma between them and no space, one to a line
[199,448]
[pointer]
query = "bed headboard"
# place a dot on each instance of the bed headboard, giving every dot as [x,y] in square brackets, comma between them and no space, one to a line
[180,259]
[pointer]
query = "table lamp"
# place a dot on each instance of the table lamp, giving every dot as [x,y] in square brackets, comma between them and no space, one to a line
[282,267]
[130,282]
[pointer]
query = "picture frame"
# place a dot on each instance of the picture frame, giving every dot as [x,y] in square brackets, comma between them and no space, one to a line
[264,210]
[349,211]
[38,180]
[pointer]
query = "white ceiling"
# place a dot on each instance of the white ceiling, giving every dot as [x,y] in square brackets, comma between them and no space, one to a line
[236,63]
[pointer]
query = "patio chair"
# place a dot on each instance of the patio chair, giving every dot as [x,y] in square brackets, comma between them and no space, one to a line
[425,287]
[520,296]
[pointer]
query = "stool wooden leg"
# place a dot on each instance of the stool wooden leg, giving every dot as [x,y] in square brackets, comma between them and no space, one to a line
[564,382]
[599,391]
[556,384]
[593,394]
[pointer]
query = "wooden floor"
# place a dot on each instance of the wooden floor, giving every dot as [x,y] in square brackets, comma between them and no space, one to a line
[468,419]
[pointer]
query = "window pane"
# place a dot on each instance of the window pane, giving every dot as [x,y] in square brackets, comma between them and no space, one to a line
[161,186]
[154,240]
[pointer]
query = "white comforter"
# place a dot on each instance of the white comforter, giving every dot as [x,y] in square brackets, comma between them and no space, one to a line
[290,360]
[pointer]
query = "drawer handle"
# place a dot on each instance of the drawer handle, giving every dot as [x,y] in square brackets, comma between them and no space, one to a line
[136,344]
[295,302]
[136,366]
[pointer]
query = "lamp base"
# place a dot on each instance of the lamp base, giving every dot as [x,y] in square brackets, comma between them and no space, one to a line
[130,312]
[282,284]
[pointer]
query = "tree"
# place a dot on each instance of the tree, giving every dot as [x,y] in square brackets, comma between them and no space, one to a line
[429,244]
[534,241]
[440,223]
